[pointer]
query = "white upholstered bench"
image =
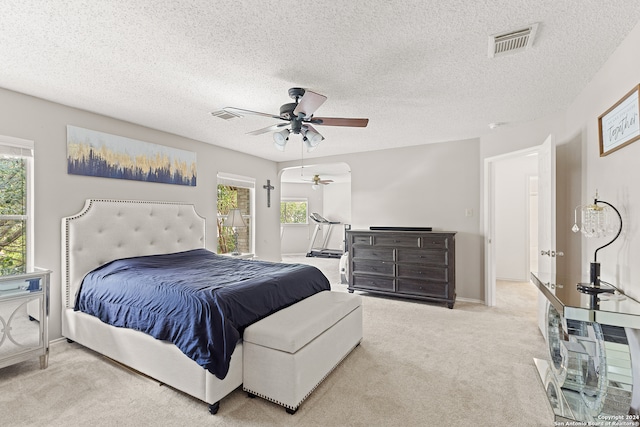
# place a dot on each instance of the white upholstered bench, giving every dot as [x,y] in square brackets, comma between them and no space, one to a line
[288,354]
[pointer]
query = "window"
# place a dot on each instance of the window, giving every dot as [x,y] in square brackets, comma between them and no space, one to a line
[293,211]
[15,205]
[235,192]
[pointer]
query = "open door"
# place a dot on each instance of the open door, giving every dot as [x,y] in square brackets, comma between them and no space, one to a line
[546,224]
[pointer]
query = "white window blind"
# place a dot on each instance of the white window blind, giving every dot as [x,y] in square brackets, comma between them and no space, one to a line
[15,147]
[236,180]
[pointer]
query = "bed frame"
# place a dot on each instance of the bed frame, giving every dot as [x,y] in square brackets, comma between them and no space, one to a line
[110,229]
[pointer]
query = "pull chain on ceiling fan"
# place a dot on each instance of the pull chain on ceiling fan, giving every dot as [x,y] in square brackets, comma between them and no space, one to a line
[297,119]
[316,181]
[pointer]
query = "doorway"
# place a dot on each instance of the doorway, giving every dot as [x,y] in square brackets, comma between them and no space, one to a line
[330,197]
[510,219]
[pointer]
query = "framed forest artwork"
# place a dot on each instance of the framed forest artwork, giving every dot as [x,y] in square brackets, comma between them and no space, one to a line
[94,153]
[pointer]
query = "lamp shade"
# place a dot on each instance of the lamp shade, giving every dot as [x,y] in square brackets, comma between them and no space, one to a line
[234,219]
[280,139]
[312,139]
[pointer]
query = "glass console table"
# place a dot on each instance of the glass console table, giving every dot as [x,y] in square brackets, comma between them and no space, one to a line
[24,317]
[589,376]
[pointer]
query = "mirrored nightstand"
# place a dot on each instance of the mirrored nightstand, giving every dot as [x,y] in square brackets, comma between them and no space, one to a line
[24,317]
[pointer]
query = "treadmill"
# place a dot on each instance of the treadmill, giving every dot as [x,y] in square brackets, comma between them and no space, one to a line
[322,252]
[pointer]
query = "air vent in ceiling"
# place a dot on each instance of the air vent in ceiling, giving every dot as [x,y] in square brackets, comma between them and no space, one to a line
[513,41]
[226,115]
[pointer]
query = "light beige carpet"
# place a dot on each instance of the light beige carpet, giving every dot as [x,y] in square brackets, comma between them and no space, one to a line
[419,365]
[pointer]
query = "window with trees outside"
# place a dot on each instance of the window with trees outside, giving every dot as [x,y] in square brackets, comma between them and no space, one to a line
[235,192]
[294,211]
[15,218]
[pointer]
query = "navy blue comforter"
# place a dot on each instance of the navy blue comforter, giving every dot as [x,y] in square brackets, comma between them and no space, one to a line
[196,299]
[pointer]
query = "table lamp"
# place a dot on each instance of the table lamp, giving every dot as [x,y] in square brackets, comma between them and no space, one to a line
[234,220]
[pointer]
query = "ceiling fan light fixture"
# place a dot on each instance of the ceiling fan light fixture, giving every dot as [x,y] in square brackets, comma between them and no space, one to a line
[280,139]
[312,139]
[299,115]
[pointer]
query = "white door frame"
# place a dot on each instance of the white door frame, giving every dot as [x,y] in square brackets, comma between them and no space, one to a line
[489,219]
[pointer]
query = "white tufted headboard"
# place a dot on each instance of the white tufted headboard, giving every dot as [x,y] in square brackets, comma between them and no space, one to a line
[110,229]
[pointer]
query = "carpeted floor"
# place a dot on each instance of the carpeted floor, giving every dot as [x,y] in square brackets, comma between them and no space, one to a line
[419,364]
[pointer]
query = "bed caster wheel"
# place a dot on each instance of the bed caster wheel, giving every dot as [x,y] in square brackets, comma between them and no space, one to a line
[213,409]
[291,411]
[251,395]
[70,341]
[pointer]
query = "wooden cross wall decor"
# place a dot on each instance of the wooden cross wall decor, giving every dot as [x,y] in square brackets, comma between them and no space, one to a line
[268,187]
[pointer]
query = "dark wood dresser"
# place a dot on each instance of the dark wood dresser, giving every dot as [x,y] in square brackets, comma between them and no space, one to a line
[419,265]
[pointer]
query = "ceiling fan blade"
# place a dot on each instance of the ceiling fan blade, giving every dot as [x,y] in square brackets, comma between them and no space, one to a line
[255,113]
[309,103]
[268,129]
[337,121]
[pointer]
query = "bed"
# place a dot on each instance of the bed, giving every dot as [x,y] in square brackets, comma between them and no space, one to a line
[107,230]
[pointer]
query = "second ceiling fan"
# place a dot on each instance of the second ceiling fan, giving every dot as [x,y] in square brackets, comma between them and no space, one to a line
[297,118]
[317,181]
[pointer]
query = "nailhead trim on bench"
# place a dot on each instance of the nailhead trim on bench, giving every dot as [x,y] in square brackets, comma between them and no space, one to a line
[310,391]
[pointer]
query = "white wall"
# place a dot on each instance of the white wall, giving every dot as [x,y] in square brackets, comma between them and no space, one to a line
[58,194]
[337,207]
[512,215]
[617,175]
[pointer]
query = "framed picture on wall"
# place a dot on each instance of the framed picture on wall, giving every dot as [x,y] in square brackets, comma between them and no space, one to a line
[619,125]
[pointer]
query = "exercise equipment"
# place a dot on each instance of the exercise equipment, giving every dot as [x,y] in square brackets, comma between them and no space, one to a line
[322,252]
[344,269]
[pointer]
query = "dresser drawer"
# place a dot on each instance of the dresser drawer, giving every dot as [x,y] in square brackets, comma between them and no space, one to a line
[362,239]
[372,253]
[397,241]
[434,242]
[423,288]
[423,272]
[373,267]
[373,283]
[427,256]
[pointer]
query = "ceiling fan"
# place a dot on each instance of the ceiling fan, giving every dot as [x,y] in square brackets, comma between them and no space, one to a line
[297,118]
[317,181]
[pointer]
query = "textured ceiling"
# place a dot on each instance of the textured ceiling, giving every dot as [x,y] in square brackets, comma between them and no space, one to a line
[418,69]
